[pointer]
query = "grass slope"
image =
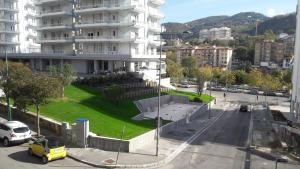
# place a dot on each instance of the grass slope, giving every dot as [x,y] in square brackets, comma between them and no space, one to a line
[106,118]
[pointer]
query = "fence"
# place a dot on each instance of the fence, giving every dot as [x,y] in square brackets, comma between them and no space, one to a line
[136,90]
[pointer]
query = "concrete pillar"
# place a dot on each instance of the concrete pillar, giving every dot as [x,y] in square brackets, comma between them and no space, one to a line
[50,62]
[41,64]
[32,64]
[96,66]
[61,64]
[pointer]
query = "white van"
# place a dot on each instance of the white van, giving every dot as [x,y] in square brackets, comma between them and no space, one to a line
[14,131]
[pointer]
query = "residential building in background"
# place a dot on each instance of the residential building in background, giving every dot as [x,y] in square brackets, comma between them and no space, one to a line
[272,54]
[223,33]
[18,16]
[9,28]
[295,102]
[28,25]
[207,55]
[98,36]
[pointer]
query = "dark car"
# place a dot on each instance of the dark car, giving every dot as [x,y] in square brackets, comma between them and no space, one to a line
[244,108]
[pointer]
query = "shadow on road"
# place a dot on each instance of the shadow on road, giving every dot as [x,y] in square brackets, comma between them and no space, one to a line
[22,156]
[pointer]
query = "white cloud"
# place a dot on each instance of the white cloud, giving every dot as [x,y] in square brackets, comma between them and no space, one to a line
[273,12]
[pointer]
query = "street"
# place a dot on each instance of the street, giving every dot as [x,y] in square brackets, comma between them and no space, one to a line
[224,145]
[16,157]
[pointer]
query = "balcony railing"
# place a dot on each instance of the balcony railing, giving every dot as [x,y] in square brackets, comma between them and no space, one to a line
[81,7]
[158,2]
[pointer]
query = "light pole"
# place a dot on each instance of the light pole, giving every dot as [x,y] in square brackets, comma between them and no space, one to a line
[159,90]
[159,93]
[7,93]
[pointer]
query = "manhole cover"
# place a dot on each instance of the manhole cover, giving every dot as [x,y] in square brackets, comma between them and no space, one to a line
[109,161]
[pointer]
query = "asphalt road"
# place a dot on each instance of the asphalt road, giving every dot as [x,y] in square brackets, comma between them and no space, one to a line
[224,145]
[16,157]
[221,146]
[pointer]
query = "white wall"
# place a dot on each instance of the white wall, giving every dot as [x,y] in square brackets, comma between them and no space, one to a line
[296,73]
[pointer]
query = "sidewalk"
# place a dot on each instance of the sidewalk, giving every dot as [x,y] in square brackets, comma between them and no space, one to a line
[170,145]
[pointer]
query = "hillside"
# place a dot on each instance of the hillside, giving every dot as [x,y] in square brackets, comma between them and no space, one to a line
[241,23]
[279,24]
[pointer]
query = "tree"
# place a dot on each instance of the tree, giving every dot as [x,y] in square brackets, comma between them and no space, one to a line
[12,85]
[66,74]
[38,90]
[241,53]
[190,64]
[240,77]
[255,78]
[269,35]
[174,70]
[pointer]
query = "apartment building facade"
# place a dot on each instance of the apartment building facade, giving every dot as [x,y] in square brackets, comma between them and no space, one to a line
[97,36]
[223,33]
[101,35]
[207,55]
[18,16]
[269,52]
[9,29]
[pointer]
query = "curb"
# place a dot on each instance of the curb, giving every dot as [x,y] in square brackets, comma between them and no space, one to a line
[165,161]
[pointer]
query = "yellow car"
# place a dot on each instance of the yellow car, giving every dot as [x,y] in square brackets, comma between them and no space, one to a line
[47,148]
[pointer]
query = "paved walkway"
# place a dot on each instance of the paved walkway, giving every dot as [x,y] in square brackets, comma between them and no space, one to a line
[170,145]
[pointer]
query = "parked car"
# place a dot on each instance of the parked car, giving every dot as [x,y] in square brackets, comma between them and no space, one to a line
[48,149]
[244,108]
[184,85]
[14,132]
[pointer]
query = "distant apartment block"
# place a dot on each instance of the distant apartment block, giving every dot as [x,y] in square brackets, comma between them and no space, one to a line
[208,55]
[272,53]
[98,35]
[223,33]
[17,26]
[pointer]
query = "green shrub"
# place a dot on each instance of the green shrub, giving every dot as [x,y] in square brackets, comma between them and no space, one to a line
[197,99]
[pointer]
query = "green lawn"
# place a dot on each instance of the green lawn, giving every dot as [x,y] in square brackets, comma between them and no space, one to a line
[205,98]
[106,119]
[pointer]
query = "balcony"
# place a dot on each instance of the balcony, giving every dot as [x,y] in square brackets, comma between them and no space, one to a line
[157,2]
[101,23]
[156,28]
[156,14]
[117,39]
[9,31]
[55,40]
[54,27]
[103,7]
[3,42]
[12,21]
[41,2]
[9,9]
[53,13]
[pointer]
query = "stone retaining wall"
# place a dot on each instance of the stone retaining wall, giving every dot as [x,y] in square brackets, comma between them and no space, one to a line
[110,144]
[29,117]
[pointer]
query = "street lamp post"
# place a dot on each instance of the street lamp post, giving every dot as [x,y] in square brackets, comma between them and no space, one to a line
[159,90]
[159,93]
[7,94]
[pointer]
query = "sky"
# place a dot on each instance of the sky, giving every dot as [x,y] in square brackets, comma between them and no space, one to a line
[188,10]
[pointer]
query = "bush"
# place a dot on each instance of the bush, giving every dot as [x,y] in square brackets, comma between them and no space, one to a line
[197,99]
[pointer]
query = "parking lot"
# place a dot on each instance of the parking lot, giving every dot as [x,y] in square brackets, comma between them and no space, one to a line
[16,157]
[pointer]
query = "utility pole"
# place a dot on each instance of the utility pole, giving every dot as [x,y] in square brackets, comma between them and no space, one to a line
[159,93]
[7,94]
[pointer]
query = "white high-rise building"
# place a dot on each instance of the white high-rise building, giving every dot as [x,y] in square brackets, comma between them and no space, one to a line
[100,35]
[222,33]
[9,32]
[295,104]
[27,27]
[17,26]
